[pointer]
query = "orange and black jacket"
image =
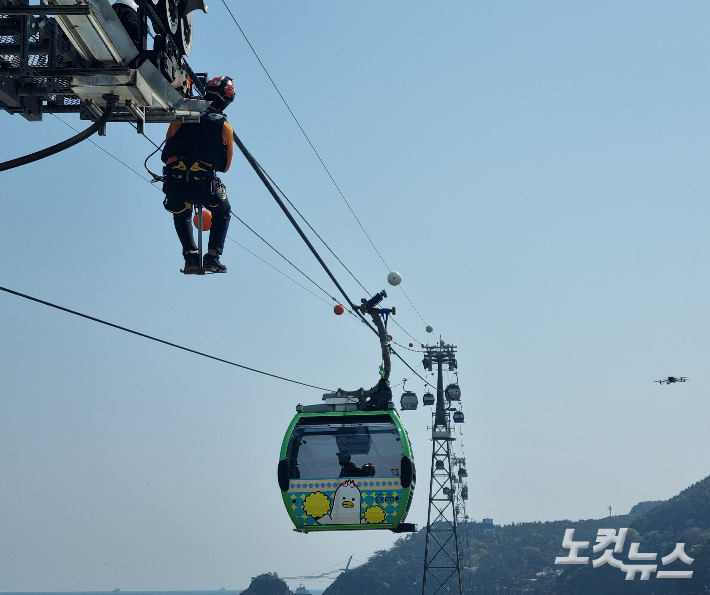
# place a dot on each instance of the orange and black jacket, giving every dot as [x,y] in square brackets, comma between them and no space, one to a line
[211,142]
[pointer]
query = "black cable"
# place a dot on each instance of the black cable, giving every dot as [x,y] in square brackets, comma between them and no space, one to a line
[65,144]
[324,167]
[262,176]
[354,317]
[413,306]
[304,133]
[288,107]
[405,331]
[314,231]
[122,328]
[279,271]
[98,146]
[233,214]
[334,254]
[150,140]
[157,178]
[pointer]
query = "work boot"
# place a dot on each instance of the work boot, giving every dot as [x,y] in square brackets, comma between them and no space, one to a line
[192,263]
[211,263]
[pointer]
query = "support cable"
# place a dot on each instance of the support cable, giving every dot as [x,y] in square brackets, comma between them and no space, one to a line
[262,176]
[405,330]
[295,119]
[333,253]
[157,147]
[233,214]
[127,330]
[104,150]
[348,310]
[279,271]
[313,230]
[303,131]
[65,144]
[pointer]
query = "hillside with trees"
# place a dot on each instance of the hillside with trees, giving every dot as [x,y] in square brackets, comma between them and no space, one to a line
[522,555]
[267,584]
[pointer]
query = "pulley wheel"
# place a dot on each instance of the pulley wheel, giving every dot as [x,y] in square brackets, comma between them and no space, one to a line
[184,35]
[168,12]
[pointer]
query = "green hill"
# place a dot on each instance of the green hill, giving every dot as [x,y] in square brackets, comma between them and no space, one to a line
[522,555]
[267,584]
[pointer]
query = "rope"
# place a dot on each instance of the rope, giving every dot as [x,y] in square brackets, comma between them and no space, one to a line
[65,144]
[127,330]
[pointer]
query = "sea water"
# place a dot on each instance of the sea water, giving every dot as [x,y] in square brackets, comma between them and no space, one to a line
[220,592]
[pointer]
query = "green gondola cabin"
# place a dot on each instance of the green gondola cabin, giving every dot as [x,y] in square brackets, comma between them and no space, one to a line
[346,466]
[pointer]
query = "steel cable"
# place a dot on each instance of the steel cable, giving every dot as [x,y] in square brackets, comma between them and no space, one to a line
[262,176]
[332,179]
[127,330]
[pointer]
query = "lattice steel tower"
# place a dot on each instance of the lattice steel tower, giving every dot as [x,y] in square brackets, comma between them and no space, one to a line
[442,567]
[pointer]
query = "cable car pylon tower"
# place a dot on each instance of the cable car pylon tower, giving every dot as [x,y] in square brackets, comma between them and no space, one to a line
[442,566]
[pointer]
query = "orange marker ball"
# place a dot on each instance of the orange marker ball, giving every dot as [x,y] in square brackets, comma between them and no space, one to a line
[390,337]
[206,220]
[339,310]
[411,344]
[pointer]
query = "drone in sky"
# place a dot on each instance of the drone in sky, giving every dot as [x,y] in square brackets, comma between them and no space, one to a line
[672,379]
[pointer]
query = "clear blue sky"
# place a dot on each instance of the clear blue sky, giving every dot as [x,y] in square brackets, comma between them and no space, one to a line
[537,171]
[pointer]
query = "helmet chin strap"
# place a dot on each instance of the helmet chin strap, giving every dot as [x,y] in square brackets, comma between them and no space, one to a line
[219,104]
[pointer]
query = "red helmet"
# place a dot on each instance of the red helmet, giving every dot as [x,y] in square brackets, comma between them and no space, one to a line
[223,87]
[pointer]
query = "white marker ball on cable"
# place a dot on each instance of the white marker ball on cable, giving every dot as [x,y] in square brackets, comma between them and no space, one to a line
[394,278]
[429,328]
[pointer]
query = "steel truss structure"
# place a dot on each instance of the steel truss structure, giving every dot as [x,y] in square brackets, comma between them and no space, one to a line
[64,56]
[442,566]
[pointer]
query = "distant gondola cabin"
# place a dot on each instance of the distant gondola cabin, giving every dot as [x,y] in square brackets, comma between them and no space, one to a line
[409,401]
[453,392]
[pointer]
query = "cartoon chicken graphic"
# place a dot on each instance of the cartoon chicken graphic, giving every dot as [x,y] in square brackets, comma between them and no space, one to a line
[346,506]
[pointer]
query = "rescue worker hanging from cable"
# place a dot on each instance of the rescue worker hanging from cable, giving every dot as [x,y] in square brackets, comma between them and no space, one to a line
[192,155]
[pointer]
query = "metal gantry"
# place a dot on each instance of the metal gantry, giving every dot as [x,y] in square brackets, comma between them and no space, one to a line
[442,566]
[76,56]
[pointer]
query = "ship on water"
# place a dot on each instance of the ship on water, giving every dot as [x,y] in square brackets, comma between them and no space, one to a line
[301,591]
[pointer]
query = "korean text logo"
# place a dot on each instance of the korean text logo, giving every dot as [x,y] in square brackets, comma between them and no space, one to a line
[607,537]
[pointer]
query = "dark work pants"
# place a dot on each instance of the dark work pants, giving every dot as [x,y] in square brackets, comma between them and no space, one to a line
[220,210]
